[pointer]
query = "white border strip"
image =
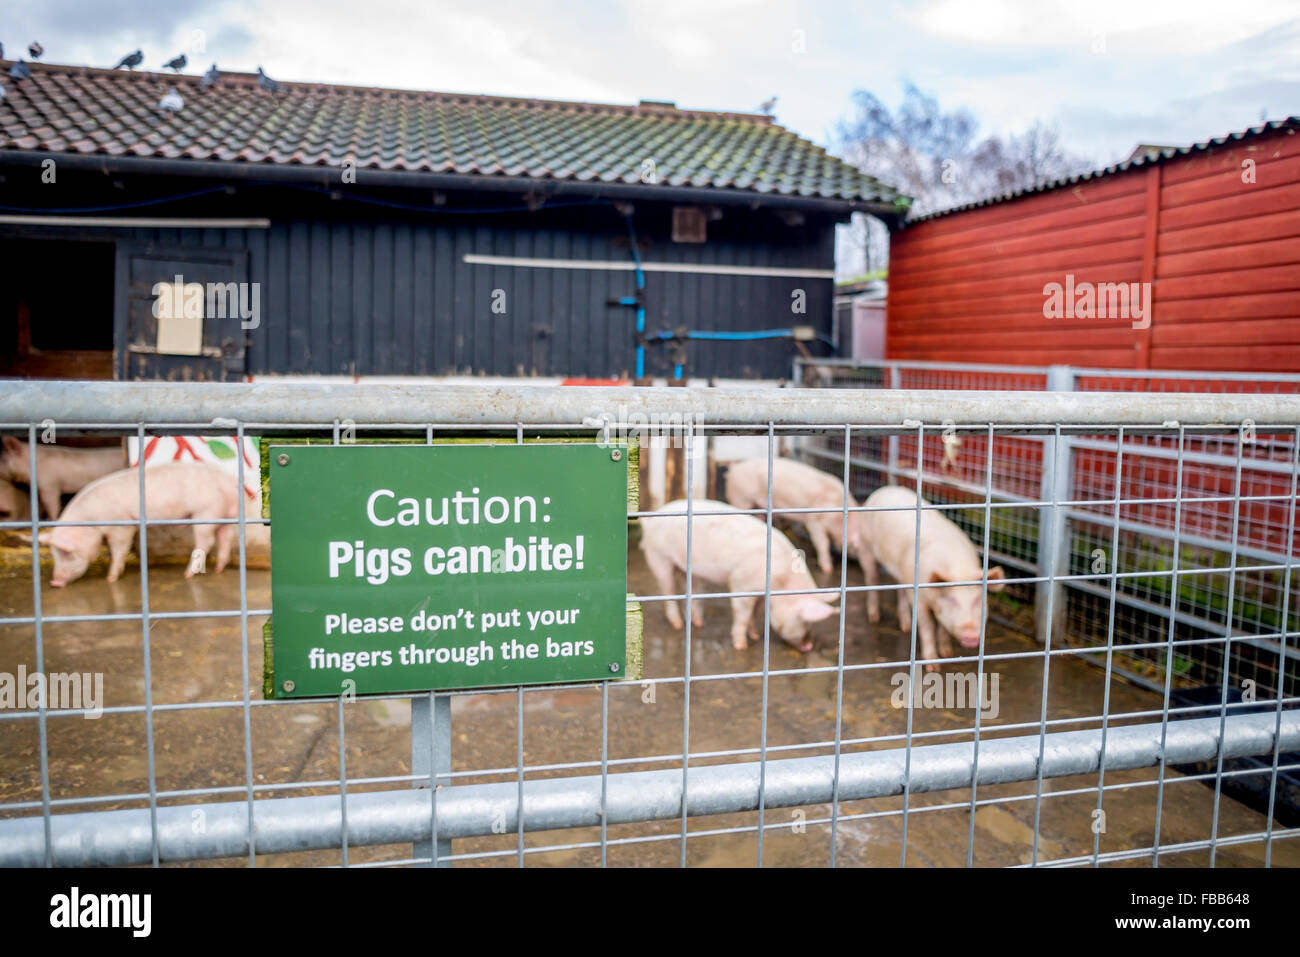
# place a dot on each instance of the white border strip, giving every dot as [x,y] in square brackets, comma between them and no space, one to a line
[478,259]
[147,221]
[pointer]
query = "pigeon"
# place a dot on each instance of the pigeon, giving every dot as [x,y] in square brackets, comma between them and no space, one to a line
[172,102]
[266,83]
[20,71]
[35,50]
[176,63]
[767,106]
[130,61]
[210,78]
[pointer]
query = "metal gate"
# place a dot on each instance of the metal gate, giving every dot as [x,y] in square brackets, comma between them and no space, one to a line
[903,785]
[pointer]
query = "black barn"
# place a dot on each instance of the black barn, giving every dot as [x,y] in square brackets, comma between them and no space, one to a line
[385,232]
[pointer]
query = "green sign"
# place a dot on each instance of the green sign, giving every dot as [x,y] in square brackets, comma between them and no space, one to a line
[415,567]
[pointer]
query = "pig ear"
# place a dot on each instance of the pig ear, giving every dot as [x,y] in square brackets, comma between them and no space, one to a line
[12,444]
[811,610]
[997,578]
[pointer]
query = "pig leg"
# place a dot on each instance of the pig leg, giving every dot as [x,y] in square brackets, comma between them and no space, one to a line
[822,543]
[661,566]
[51,498]
[904,609]
[870,574]
[742,616]
[205,536]
[925,626]
[119,546]
[225,538]
[697,607]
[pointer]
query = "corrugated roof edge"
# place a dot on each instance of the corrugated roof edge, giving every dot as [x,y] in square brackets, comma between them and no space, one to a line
[1290,122]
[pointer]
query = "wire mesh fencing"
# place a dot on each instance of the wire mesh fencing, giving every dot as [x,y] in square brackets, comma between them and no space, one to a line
[1221,494]
[777,720]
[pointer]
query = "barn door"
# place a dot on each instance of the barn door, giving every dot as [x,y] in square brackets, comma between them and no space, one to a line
[197,332]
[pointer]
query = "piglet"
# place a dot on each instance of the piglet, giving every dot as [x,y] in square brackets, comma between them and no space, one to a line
[731,550]
[175,490]
[946,555]
[796,485]
[59,470]
[15,505]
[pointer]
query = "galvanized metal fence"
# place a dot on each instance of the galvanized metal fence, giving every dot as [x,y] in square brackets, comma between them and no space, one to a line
[1232,509]
[802,759]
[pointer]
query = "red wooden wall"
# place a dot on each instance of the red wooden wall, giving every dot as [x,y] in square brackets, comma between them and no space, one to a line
[1223,256]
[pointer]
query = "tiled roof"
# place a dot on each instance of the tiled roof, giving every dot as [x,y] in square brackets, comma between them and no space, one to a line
[82,110]
[1142,155]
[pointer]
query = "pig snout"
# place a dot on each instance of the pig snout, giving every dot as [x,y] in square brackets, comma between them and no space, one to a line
[969,638]
[804,643]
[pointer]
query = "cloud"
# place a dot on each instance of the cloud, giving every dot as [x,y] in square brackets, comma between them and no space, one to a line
[1154,27]
[1168,70]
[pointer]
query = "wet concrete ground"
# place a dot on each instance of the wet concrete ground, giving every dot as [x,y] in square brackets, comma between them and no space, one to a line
[199,660]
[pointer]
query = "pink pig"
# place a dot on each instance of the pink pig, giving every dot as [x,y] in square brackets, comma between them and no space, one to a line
[731,550]
[946,555]
[796,485]
[175,490]
[59,470]
[15,506]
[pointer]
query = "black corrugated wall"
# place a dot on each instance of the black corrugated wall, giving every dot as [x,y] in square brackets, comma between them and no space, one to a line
[360,289]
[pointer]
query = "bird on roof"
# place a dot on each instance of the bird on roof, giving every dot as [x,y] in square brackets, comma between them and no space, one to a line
[266,83]
[130,61]
[20,71]
[35,50]
[177,63]
[172,102]
[767,106]
[210,78]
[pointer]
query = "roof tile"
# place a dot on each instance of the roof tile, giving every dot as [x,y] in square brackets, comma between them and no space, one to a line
[87,110]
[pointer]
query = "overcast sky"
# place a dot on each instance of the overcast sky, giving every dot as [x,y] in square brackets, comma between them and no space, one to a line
[1109,73]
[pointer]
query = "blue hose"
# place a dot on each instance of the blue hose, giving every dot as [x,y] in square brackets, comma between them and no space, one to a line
[640,301]
[755,334]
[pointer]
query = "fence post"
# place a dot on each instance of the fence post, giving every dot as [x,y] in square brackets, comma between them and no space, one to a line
[891,464]
[1053,526]
[431,744]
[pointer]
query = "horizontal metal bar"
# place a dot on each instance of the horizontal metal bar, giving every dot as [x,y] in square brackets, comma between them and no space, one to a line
[1204,376]
[628,265]
[886,364]
[1183,618]
[138,222]
[1012,501]
[1078,372]
[162,403]
[1142,450]
[1144,853]
[118,838]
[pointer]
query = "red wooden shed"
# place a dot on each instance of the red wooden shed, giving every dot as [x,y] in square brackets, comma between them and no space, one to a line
[1214,229]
